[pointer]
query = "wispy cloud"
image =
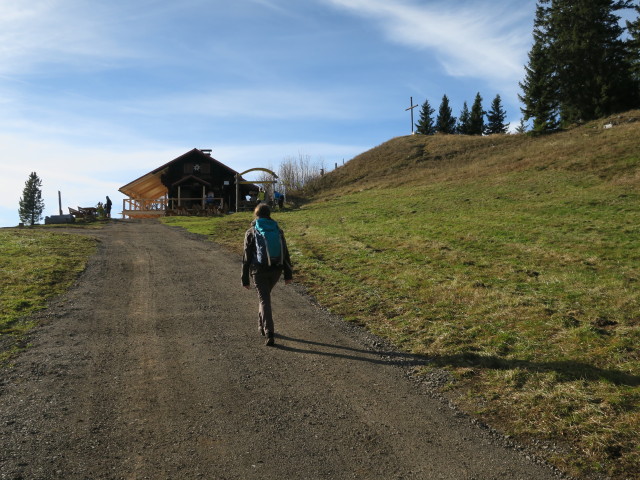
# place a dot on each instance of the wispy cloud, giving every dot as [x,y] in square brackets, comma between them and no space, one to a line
[261,102]
[482,39]
[45,32]
[274,6]
[86,121]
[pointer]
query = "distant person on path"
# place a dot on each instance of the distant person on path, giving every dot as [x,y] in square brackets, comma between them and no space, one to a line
[265,258]
[107,207]
[261,196]
[279,199]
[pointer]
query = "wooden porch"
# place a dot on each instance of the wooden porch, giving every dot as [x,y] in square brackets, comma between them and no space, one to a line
[159,207]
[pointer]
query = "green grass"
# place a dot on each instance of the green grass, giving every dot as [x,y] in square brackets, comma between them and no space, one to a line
[513,262]
[36,264]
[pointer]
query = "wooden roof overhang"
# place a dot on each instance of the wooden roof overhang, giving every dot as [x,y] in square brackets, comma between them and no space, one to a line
[150,186]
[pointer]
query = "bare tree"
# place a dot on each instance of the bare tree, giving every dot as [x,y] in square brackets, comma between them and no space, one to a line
[295,173]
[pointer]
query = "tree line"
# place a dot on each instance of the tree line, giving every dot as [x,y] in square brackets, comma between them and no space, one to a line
[584,63]
[470,122]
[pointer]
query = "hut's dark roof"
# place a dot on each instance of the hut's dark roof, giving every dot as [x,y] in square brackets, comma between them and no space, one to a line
[150,185]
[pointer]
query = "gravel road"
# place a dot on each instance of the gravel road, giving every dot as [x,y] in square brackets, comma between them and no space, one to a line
[152,367]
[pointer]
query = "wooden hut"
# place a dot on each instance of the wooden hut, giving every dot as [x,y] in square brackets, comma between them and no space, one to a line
[192,184]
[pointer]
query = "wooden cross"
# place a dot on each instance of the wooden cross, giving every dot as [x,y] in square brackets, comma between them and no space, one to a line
[411,108]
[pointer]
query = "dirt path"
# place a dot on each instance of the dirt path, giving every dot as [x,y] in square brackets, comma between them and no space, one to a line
[153,368]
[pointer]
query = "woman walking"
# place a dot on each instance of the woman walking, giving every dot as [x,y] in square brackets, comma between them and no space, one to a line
[265,258]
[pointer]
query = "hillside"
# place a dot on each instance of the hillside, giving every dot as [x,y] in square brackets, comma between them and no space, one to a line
[513,262]
[608,153]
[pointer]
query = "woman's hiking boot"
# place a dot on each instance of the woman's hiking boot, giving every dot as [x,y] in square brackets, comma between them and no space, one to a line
[269,341]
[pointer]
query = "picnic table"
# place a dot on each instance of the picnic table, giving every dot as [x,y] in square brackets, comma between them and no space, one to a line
[83,212]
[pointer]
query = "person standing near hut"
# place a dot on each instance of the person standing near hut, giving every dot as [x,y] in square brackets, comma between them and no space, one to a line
[265,258]
[107,207]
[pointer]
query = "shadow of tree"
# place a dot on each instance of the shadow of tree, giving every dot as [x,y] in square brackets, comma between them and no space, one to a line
[565,370]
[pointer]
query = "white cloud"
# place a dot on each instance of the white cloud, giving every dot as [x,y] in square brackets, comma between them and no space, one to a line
[481,39]
[45,32]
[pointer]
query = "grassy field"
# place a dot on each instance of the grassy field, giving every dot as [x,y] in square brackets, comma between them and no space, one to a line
[511,261]
[36,264]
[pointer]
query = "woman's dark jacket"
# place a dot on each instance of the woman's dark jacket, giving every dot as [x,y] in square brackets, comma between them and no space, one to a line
[249,266]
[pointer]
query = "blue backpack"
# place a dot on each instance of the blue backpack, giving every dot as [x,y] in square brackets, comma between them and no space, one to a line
[268,242]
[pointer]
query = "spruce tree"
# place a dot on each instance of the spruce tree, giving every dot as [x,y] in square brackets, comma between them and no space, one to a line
[463,120]
[633,49]
[446,122]
[522,126]
[31,203]
[578,65]
[496,118]
[425,124]
[589,58]
[476,117]
[539,88]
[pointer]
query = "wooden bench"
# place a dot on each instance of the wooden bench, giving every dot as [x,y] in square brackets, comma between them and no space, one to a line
[76,213]
[83,212]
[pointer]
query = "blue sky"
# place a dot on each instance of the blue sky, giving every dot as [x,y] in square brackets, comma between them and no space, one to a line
[96,94]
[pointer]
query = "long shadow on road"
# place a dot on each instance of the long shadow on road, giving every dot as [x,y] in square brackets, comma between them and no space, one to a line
[347,353]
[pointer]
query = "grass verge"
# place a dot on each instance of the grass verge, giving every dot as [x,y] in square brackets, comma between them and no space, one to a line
[36,264]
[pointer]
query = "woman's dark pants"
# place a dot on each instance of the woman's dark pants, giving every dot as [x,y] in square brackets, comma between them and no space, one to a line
[265,279]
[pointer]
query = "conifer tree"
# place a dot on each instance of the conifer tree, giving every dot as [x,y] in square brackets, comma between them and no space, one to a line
[496,118]
[31,203]
[522,126]
[476,117]
[578,66]
[539,88]
[425,125]
[464,120]
[633,49]
[590,60]
[446,122]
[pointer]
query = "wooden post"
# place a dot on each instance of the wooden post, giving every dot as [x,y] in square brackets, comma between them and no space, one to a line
[59,203]
[179,201]
[237,192]
[203,195]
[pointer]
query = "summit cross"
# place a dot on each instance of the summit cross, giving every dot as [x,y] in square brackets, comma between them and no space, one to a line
[412,106]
